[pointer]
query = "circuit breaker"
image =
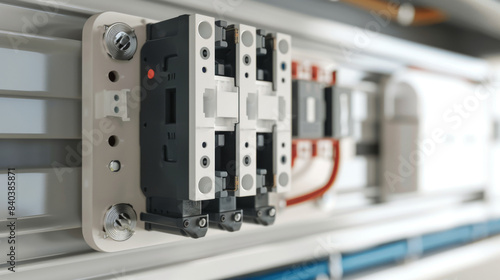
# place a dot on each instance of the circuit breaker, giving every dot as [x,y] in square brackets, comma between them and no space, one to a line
[338,121]
[320,110]
[308,109]
[201,111]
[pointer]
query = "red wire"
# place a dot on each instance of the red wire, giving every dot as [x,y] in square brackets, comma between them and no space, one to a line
[319,192]
[294,152]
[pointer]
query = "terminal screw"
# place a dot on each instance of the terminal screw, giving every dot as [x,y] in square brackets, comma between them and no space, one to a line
[272,212]
[202,222]
[237,217]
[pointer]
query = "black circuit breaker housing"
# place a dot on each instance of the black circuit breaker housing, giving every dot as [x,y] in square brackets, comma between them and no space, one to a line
[164,130]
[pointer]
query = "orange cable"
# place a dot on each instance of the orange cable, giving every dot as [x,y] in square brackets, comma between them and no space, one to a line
[423,15]
[319,192]
[294,151]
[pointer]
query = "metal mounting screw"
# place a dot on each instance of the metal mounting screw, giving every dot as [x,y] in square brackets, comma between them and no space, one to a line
[223,218]
[237,217]
[120,41]
[259,213]
[123,221]
[185,223]
[119,222]
[202,222]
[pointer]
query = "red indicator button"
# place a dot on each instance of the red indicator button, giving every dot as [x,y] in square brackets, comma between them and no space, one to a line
[151,74]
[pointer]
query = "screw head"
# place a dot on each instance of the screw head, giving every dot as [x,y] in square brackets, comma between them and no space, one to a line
[114,166]
[123,221]
[185,223]
[120,41]
[223,218]
[247,160]
[237,217]
[246,59]
[272,212]
[119,222]
[205,162]
[259,213]
[202,222]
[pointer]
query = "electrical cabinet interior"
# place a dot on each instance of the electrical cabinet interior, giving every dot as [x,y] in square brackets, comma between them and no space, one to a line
[200,112]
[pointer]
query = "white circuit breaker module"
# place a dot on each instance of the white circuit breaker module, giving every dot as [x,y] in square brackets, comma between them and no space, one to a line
[187,125]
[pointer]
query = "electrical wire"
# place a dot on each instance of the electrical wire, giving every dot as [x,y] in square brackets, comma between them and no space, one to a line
[331,181]
[294,152]
[422,15]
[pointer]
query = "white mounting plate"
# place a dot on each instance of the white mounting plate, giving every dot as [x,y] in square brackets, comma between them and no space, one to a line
[102,188]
